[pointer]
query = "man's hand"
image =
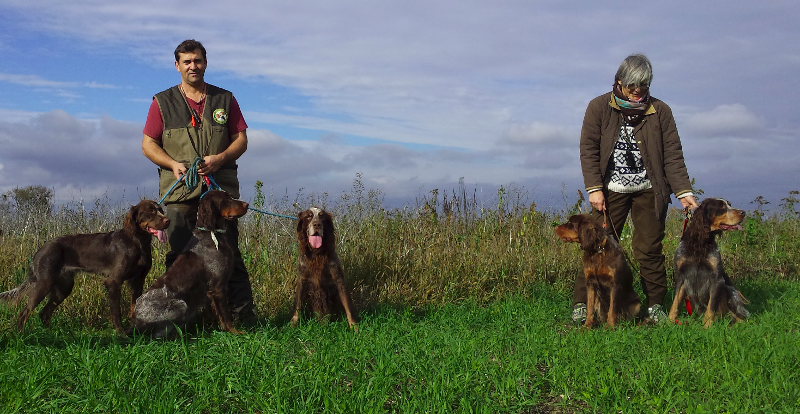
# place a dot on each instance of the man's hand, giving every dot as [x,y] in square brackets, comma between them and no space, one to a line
[597,200]
[151,148]
[688,201]
[210,164]
[178,170]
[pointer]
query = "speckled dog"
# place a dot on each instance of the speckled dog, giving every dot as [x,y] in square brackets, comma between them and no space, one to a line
[198,277]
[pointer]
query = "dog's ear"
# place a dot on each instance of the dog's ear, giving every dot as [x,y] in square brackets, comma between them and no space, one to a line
[711,209]
[207,213]
[585,236]
[301,226]
[700,224]
[716,208]
[590,234]
[328,229]
[130,219]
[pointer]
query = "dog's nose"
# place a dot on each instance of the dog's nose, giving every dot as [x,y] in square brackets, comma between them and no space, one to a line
[244,203]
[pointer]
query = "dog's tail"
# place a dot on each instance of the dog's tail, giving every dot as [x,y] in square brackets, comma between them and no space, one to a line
[736,302]
[12,297]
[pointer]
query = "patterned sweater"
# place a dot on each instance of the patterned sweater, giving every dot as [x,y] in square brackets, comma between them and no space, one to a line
[628,174]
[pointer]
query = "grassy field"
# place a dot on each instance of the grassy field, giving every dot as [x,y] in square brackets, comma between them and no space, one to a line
[464,306]
[511,355]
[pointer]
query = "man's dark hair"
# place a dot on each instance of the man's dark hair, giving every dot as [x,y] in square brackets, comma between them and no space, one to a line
[188,46]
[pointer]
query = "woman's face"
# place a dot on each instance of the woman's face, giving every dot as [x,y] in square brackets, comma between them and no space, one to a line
[634,92]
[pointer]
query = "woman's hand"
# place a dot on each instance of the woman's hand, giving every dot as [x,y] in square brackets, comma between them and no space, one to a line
[597,200]
[688,201]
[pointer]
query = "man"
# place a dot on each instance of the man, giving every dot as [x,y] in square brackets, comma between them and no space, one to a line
[191,120]
[632,161]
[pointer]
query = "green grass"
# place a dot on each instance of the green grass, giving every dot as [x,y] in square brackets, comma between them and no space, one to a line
[464,308]
[515,355]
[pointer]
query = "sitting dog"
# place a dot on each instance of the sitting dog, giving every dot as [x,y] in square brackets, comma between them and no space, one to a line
[122,255]
[321,288]
[199,275]
[609,281]
[699,273]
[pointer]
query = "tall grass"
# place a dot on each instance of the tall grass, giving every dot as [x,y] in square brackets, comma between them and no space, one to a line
[449,247]
[465,308]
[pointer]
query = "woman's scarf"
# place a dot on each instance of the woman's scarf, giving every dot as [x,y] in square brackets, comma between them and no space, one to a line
[633,110]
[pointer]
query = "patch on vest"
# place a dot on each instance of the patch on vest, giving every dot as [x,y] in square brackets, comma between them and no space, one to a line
[220,116]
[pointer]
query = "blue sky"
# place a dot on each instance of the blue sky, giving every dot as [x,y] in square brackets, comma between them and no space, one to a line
[413,94]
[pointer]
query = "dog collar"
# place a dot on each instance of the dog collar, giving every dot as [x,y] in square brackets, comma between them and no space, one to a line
[602,247]
[213,231]
[213,236]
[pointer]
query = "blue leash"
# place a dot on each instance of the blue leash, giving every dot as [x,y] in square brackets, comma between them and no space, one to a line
[271,214]
[190,179]
[212,185]
[170,190]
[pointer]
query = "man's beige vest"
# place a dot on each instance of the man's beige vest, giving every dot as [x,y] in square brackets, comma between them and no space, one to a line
[184,143]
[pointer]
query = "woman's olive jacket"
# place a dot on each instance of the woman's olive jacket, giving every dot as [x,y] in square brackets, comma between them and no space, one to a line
[658,141]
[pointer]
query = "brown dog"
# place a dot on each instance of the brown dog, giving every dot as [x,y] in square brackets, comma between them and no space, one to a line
[609,281]
[122,255]
[199,273]
[699,274]
[321,288]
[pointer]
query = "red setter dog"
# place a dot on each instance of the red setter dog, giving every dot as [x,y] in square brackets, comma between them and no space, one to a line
[122,255]
[699,274]
[321,288]
[198,276]
[609,281]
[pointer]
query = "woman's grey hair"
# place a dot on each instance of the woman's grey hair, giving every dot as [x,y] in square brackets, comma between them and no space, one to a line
[635,70]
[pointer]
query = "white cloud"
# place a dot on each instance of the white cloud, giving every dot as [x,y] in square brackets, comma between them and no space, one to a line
[725,120]
[503,86]
[33,80]
[59,88]
[96,85]
[56,149]
[540,134]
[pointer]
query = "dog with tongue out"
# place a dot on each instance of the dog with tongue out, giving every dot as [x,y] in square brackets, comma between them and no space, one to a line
[321,288]
[161,235]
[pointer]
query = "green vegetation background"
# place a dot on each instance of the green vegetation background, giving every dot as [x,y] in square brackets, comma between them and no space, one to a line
[464,306]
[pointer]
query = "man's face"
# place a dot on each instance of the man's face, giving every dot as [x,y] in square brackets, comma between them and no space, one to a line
[192,66]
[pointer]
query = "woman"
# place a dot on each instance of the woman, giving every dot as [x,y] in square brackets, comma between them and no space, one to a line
[632,162]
